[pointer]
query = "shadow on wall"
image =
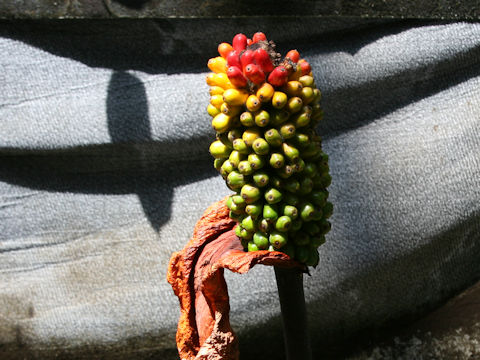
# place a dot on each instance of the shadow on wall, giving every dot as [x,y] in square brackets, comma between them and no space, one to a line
[129,123]
[132,164]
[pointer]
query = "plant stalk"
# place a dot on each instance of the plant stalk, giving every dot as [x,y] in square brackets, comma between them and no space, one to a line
[294,314]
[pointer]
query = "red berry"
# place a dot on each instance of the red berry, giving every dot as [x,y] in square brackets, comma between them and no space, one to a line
[254,74]
[246,58]
[249,42]
[239,42]
[233,59]
[236,77]
[259,36]
[262,59]
[305,67]
[293,55]
[278,76]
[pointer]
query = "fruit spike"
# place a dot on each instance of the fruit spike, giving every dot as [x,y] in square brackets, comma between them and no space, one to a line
[264,109]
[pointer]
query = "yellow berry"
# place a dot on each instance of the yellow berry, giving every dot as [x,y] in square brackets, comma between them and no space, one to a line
[265,92]
[235,97]
[279,99]
[253,103]
[212,110]
[217,64]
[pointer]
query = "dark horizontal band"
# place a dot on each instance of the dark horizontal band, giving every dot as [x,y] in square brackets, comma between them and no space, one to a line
[98,9]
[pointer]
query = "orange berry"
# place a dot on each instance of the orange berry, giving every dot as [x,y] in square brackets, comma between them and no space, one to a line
[293,55]
[224,49]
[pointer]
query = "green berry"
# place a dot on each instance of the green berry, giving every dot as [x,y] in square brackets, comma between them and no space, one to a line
[241,146]
[296,225]
[311,151]
[250,135]
[325,226]
[310,169]
[248,223]
[264,226]
[238,200]
[276,182]
[262,118]
[302,119]
[291,199]
[244,243]
[294,104]
[245,168]
[235,157]
[299,166]
[238,229]
[260,146]
[234,207]
[313,258]
[273,137]
[254,210]
[306,186]
[261,240]
[285,172]
[290,211]
[302,253]
[256,161]
[235,180]
[234,134]
[327,210]
[252,246]
[317,215]
[245,234]
[261,178]
[217,163]
[247,119]
[301,238]
[322,181]
[288,130]
[291,185]
[301,140]
[291,152]
[270,212]
[225,140]
[279,117]
[277,160]
[306,211]
[306,80]
[250,193]
[227,167]
[236,216]
[273,196]
[311,228]
[278,239]
[283,223]
[317,240]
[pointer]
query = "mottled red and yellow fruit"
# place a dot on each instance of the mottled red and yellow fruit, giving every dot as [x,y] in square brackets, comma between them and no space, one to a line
[264,110]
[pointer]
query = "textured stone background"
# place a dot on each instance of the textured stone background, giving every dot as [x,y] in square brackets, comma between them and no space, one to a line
[104,171]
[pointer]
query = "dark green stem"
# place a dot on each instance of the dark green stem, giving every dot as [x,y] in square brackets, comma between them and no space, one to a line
[294,314]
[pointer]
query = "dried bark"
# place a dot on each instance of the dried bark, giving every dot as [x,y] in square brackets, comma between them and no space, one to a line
[197,278]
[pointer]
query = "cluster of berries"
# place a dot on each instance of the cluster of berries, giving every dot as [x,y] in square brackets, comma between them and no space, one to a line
[264,111]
